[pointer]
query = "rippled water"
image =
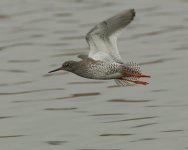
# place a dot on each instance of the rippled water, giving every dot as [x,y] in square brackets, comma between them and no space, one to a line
[63,111]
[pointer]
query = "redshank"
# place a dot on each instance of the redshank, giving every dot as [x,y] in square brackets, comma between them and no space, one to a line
[104,61]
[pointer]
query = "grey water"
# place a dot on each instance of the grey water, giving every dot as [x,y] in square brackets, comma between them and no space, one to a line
[63,111]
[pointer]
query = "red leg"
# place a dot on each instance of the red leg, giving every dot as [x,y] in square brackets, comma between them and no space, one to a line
[135,74]
[136,81]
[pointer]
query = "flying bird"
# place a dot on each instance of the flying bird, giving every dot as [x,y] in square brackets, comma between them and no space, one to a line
[104,61]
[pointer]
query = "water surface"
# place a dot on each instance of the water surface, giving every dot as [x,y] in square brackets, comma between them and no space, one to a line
[63,111]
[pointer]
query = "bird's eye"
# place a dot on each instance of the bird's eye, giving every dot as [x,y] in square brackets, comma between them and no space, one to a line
[66,65]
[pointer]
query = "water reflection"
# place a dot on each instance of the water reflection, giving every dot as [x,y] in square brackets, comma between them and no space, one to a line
[115,134]
[30,91]
[11,136]
[56,142]
[128,101]
[133,119]
[59,109]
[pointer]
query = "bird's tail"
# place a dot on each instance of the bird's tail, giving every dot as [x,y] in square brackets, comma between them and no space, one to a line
[131,68]
[132,73]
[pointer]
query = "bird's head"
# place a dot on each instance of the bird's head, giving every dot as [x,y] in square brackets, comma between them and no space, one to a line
[68,66]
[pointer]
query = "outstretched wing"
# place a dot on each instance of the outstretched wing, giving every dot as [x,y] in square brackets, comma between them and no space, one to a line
[102,39]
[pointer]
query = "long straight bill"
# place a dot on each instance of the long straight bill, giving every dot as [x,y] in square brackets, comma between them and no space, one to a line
[61,68]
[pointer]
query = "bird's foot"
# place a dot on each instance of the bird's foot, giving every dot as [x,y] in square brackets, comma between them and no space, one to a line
[135,81]
[135,74]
